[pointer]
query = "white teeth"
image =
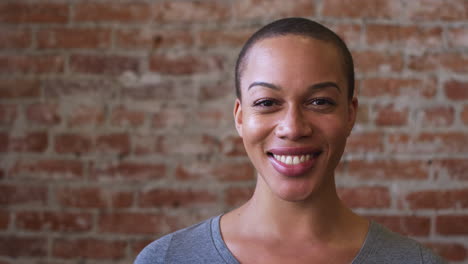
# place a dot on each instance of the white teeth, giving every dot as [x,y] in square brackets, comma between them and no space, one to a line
[292,160]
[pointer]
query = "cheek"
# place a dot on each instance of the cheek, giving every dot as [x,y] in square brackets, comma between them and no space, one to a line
[255,129]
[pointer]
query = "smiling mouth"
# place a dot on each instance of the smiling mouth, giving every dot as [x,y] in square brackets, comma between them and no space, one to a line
[294,159]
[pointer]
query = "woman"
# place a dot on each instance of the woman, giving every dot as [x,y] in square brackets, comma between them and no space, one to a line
[294,110]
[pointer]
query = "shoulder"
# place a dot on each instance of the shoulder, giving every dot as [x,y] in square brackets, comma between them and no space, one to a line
[168,246]
[385,246]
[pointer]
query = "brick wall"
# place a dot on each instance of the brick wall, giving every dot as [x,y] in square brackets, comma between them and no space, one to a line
[116,124]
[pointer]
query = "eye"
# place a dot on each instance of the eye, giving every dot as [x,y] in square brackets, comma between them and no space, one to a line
[264,103]
[321,103]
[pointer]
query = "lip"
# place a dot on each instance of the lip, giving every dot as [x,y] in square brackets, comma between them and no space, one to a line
[294,170]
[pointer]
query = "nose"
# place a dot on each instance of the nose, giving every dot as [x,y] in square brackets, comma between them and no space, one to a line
[294,125]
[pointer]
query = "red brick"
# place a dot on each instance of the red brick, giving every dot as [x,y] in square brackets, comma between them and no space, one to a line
[144,144]
[88,248]
[456,90]
[214,91]
[110,11]
[185,64]
[362,8]
[452,224]
[28,142]
[216,38]
[380,87]
[191,12]
[8,114]
[388,169]
[413,37]
[233,146]
[451,62]
[4,220]
[373,61]
[31,64]
[59,88]
[449,251]
[50,168]
[15,38]
[236,196]
[22,246]
[138,245]
[452,168]
[464,115]
[145,38]
[423,10]
[365,197]
[122,116]
[189,144]
[93,197]
[19,88]
[43,113]
[254,9]
[86,115]
[176,198]
[363,115]
[73,143]
[113,143]
[34,12]
[391,115]
[438,199]
[103,64]
[350,33]
[214,118]
[53,221]
[171,118]
[72,38]
[437,116]
[22,194]
[161,91]
[448,142]
[457,37]
[406,225]
[220,171]
[130,171]
[135,223]
[365,142]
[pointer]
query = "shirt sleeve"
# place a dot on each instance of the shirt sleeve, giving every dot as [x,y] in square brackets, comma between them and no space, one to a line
[155,252]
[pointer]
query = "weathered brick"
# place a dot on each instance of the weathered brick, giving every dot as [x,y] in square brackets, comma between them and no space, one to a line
[437,116]
[365,197]
[464,115]
[185,64]
[190,12]
[73,143]
[437,199]
[15,38]
[71,38]
[22,194]
[49,168]
[23,246]
[454,225]
[433,10]
[148,38]
[67,88]
[103,64]
[373,61]
[86,115]
[388,169]
[254,9]
[411,37]
[223,38]
[31,64]
[442,61]
[123,116]
[43,113]
[27,142]
[365,142]
[125,223]
[457,37]
[36,12]
[118,143]
[453,168]
[362,9]
[392,87]
[4,219]
[93,197]
[89,248]
[449,251]
[130,171]
[176,198]
[448,142]
[233,146]
[129,12]
[19,88]
[456,90]
[391,115]
[189,144]
[53,221]
[8,114]
[406,225]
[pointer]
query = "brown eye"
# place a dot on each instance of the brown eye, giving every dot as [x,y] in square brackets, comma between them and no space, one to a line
[264,103]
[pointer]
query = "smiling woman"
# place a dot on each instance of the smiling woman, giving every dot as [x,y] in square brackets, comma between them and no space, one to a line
[295,110]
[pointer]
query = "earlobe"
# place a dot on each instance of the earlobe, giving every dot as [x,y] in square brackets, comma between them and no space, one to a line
[238,116]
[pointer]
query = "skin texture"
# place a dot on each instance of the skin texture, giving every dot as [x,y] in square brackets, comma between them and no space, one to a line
[294,97]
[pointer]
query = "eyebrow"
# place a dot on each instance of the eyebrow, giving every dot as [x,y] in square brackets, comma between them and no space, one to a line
[317,86]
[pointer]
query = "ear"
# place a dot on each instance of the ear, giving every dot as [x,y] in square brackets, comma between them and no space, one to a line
[352,113]
[238,116]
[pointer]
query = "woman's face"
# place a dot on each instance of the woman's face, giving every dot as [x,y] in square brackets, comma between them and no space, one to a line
[295,115]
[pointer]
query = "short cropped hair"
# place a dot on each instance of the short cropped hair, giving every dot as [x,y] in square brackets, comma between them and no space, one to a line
[302,27]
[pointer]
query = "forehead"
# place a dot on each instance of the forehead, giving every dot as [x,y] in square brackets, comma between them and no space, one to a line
[293,58]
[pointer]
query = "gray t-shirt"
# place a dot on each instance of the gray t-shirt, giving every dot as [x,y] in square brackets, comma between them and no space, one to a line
[202,243]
